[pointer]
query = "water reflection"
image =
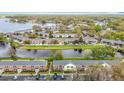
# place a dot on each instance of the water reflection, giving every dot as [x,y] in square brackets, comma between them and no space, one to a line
[32,53]
[4,51]
[46,53]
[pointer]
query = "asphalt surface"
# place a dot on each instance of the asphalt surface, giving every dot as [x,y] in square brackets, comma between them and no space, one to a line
[45,78]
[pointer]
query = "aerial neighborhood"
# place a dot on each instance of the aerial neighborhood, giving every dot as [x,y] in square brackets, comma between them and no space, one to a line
[62,47]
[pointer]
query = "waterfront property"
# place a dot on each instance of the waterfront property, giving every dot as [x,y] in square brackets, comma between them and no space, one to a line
[24,65]
[51,26]
[117,43]
[23,31]
[60,65]
[89,40]
[65,35]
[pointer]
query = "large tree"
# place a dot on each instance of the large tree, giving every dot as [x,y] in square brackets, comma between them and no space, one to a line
[56,54]
[118,71]
[12,50]
[103,52]
[98,28]
[99,72]
[37,28]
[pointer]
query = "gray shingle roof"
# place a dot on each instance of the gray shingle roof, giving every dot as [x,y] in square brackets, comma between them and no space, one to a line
[113,41]
[23,63]
[84,62]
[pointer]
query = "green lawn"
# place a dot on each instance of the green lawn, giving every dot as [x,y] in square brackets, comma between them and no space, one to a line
[81,58]
[62,46]
[121,49]
[16,44]
[50,58]
[19,58]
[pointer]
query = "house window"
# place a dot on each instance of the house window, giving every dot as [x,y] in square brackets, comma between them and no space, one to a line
[15,69]
[32,66]
[67,66]
[14,66]
[24,69]
[71,66]
[60,66]
[41,66]
[6,66]
[7,69]
[24,66]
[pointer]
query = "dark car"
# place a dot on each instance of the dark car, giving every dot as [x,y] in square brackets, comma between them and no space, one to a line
[55,76]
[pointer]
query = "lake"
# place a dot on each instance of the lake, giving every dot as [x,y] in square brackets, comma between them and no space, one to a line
[39,53]
[6,26]
[46,53]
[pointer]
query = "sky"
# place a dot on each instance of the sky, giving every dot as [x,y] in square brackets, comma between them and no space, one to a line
[64,13]
[61,5]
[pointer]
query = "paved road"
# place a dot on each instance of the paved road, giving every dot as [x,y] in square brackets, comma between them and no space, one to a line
[67,77]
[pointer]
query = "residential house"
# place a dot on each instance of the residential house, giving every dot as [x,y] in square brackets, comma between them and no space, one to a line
[59,65]
[24,65]
[64,35]
[117,43]
[90,40]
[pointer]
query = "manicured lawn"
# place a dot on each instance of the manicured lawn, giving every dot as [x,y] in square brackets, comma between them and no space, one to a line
[62,46]
[81,58]
[28,72]
[9,72]
[9,58]
[50,58]
[19,58]
[6,58]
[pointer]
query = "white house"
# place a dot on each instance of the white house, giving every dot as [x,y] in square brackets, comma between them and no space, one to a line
[64,35]
[70,67]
